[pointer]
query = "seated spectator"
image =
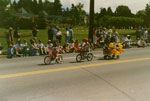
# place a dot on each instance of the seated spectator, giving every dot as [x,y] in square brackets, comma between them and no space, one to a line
[76,46]
[19,48]
[33,48]
[72,46]
[127,41]
[141,43]
[101,41]
[60,49]
[11,51]
[55,43]
[41,48]
[66,48]
[25,44]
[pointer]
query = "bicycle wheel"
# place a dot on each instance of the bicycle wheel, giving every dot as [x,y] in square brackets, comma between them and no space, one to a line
[90,57]
[47,60]
[78,58]
[59,59]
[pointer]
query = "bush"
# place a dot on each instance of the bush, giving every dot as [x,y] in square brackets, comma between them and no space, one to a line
[27,23]
[124,22]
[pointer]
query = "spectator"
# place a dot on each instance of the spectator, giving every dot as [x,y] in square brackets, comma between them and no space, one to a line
[127,41]
[145,34]
[76,46]
[50,33]
[60,49]
[116,36]
[94,36]
[19,48]
[70,34]
[17,34]
[9,36]
[67,36]
[25,44]
[104,32]
[34,32]
[72,46]
[101,41]
[98,34]
[41,47]
[141,43]
[55,32]
[110,32]
[59,35]
[33,50]
[66,48]
[55,43]
[10,51]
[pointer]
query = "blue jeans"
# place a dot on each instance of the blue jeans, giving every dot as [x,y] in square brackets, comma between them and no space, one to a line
[67,39]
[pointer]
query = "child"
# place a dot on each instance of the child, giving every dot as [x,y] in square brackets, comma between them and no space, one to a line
[10,51]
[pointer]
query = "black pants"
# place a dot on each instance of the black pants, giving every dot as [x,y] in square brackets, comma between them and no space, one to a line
[59,38]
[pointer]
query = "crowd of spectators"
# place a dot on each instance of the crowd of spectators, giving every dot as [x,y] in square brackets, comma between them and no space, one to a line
[102,37]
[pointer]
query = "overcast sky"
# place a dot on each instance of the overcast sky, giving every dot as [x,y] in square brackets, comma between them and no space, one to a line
[134,5]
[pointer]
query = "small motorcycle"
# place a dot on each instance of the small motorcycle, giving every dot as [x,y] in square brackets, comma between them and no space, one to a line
[84,55]
[50,59]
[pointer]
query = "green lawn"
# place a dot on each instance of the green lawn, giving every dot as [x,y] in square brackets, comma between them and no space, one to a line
[79,34]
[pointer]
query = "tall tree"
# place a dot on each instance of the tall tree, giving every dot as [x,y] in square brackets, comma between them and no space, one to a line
[109,11]
[57,7]
[123,11]
[35,7]
[141,14]
[40,6]
[49,7]
[5,12]
[147,17]
[77,13]
[103,12]
[14,5]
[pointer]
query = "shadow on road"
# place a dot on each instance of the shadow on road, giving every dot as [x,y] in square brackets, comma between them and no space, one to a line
[76,62]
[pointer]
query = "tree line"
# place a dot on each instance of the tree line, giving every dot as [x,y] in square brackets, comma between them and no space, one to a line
[122,17]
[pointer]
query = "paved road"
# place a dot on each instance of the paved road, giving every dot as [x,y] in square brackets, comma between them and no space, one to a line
[28,79]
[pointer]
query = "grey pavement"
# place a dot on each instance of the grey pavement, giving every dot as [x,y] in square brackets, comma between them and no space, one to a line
[114,82]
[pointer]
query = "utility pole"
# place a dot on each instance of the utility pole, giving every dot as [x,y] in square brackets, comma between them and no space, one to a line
[91,23]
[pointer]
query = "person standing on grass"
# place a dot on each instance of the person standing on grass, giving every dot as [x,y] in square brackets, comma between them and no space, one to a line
[59,35]
[70,34]
[34,32]
[9,36]
[16,34]
[55,32]
[145,34]
[50,33]
[67,36]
